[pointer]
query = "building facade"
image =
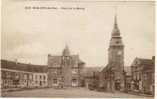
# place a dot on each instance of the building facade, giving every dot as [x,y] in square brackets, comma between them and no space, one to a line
[143,79]
[127,78]
[114,71]
[64,70]
[40,80]
[19,75]
[91,77]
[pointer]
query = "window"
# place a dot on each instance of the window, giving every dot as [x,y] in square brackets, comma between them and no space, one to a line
[8,75]
[145,76]
[30,76]
[55,81]
[40,76]
[74,80]
[117,42]
[16,76]
[68,58]
[55,71]
[74,71]
[134,76]
[25,76]
[140,76]
[44,77]
[137,76]
[152,77]
[36,77]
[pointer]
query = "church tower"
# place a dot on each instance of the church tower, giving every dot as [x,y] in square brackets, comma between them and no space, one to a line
[116,56]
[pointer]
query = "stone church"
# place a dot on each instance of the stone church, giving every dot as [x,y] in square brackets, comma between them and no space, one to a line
[64,70]
[113,73]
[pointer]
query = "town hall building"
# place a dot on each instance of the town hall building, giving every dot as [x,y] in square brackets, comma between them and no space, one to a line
[64,70]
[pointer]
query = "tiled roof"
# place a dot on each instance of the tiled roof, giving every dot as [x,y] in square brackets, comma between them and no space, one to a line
[54,61]
[23,67]
[88,71]
[146,62]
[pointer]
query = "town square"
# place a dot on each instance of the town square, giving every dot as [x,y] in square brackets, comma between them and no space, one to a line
[105,50]
[71,93]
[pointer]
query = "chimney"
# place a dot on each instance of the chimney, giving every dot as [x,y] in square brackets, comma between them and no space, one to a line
[49,55]
[153,58]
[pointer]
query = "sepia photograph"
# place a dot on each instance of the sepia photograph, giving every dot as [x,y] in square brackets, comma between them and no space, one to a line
[78,49]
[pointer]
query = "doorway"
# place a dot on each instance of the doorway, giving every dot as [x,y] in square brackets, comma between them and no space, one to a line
[117,85]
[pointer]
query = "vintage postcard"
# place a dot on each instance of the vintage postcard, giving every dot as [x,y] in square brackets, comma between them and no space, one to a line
[78,49]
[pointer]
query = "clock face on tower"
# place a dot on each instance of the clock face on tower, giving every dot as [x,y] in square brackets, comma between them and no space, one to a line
[119,53]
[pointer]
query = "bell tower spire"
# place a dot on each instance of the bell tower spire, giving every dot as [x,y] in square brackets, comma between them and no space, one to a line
[115,21]
[115,31]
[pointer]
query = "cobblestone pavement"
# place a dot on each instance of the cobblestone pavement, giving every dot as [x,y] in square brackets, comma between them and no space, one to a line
[69,92]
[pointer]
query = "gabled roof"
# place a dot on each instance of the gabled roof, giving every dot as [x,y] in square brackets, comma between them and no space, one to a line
[6,64]
[146,61]
[142,61]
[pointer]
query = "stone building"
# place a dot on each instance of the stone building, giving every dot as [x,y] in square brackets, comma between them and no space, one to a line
[127,78]
[91,77]
[142,71]
[114,71]
[64,70]
[20,75]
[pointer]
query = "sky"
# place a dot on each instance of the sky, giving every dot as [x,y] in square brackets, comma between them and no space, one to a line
[30,35]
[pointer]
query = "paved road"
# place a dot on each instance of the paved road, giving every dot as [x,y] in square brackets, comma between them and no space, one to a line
[67,93]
